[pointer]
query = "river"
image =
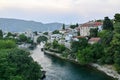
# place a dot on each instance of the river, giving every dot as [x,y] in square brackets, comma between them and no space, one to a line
[57,69]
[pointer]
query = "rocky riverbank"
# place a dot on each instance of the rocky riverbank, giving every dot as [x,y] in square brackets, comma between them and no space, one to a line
[106,69]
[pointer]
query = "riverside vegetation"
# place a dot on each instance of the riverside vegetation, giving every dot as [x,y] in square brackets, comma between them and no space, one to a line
[107,51]
[15,63]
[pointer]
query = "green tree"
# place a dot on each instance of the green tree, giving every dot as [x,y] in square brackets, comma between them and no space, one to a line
[16,77]
[117,27]
[61,48]
[22,38]
[9,34]
[7,44]
[107,24]
[63,27]
[97,51]
[78,33]
[94,32]
[117,17]
[1,34]
[42,39]
[45,33]
[78,45]
[16,64]
[35,32]
[84,56]
[106,37]
[55,44]
[56,32]
[74,26]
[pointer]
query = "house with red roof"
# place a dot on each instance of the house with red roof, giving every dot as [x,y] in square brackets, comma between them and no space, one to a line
[94,40]
[85,28]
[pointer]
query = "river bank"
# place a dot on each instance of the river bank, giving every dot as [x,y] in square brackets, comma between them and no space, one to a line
[106,69]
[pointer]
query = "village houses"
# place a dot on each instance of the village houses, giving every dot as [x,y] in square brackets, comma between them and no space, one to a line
[85,28]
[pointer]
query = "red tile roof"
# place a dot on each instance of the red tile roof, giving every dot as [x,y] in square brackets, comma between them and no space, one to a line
[94,39]
[92,24]
[79,37]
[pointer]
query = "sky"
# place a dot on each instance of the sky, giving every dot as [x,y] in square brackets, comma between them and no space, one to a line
[63,11]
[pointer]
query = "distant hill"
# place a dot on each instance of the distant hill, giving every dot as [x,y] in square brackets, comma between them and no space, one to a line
[17,25]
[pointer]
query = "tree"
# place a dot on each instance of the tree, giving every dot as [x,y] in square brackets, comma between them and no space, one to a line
[41,39]
[56,32]
[107,24]
[97,51]
[63,27]
[55,44]
[16,64]
[22,38]
[93,32]
[114,48]
[84,56]
[1,34]
[74,26]
[9,34]
[106,37]
[61,48]
[78,33]
[117,17]
[78,45]
[35,32]
[117,27]
[7,44]
[45,33]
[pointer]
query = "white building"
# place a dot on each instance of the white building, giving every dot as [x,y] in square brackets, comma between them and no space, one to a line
[55,37]
[85,28]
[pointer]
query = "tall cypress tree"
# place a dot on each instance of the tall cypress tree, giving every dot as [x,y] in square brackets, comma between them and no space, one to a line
[63,27]
[107,24]
[117,17]
[1,34]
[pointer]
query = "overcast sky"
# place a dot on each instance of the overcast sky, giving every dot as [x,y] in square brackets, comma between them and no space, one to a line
[64,11]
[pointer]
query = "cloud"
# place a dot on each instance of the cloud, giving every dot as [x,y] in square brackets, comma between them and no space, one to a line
[62,9]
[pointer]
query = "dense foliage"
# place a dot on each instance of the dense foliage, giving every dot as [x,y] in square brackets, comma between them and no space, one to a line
[107,24]
[41,39]
[74,26]
[93,32]
[24,39]
[56,47]
[117,17]
[7,44]
[1,34]
[56,32]
[17,64]
[106,52]
[45,33]
[9,34]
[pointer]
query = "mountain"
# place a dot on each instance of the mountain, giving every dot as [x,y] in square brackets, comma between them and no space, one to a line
[17,25]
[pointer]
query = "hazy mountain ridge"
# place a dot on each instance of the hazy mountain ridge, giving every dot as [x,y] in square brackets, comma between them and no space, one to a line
[17,25]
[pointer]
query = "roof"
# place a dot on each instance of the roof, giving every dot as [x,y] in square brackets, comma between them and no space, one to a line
[94,39]
[92,24]
[79,37]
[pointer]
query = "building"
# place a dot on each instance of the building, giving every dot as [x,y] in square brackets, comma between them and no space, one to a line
[93,40]
[55,37]
[85,28]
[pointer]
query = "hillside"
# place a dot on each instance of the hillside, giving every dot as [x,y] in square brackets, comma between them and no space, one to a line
[17,25]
